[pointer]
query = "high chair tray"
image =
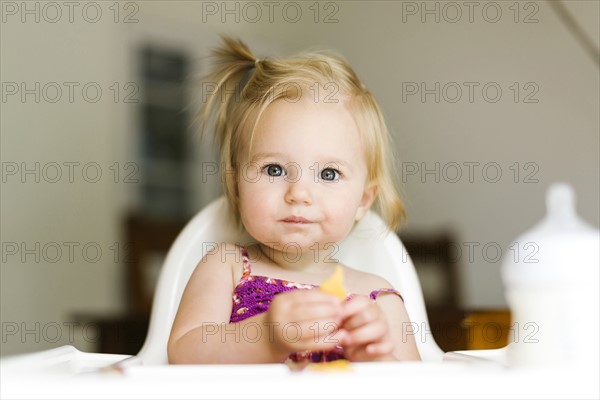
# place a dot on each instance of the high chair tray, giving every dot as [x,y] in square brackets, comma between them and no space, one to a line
[66,373]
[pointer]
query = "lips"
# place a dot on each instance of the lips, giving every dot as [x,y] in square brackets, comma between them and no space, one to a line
[295,220]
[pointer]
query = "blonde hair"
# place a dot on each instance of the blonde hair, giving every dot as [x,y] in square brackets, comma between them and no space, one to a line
[244,86]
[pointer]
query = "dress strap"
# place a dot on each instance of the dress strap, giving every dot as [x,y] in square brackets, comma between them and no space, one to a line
[377,292]
[246,262]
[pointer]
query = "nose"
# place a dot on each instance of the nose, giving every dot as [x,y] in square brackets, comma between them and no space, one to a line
[298,192]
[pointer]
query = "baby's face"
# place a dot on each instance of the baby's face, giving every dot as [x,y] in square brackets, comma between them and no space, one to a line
[305,182]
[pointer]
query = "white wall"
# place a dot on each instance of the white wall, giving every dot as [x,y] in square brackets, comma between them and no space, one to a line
[37,212]
[559,134]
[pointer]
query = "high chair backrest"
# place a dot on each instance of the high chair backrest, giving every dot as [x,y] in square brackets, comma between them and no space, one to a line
[370,247]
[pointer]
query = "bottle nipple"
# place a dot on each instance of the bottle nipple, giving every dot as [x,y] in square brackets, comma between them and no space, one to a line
[560,204]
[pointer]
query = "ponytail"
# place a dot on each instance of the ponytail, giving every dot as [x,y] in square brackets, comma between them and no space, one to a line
[233,62]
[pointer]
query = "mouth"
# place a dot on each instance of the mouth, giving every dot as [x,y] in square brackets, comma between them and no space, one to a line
[296,220]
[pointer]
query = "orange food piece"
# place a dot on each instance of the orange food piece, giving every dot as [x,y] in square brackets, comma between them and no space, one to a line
[334,285]
[331,366]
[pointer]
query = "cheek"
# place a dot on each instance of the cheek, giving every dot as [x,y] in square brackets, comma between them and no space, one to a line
[341,216]
[254,205]
[249,200]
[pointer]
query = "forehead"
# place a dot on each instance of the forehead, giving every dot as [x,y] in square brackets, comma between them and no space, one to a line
[307,124]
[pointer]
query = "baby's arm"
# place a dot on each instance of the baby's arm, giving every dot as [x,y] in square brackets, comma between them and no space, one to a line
[202,333]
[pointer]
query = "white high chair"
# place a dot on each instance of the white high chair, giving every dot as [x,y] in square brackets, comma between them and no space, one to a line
[370,247]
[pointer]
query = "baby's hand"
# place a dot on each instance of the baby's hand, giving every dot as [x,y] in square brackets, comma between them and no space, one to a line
[303,320]
[364,332]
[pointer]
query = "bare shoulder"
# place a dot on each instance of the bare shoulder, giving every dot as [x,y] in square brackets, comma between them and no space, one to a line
[225,253]
[213,278]
[207,295]
[221,257]
[361,282]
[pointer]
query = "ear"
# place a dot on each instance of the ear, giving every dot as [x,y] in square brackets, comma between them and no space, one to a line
[369,195]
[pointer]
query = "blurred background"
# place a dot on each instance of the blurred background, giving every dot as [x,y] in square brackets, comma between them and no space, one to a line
[488,104]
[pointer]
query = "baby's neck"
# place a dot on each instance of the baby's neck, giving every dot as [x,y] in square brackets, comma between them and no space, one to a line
[293,258]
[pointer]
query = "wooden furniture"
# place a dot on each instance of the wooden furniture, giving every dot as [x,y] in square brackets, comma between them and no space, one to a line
[452,327]
[487,329]
[117,334]
[149,240]
[437,270]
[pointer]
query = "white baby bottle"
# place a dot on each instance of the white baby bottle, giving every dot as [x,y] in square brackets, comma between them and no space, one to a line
[552,287]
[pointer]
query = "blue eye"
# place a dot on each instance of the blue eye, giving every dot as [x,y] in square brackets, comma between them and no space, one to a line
[330,174]
[273,170]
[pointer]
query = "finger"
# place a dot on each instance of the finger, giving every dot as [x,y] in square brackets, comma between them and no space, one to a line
[315,311]
[356,353]
[312,339]
[366,353]
[354,305]
[372,332]
[362,317]
[380,348]
[323,339]
[317,329]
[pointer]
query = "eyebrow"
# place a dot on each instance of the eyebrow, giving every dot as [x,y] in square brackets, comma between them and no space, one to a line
[338,162]
[263,155]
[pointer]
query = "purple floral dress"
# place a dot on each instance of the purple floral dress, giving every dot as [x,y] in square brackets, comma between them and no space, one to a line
[253,295]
